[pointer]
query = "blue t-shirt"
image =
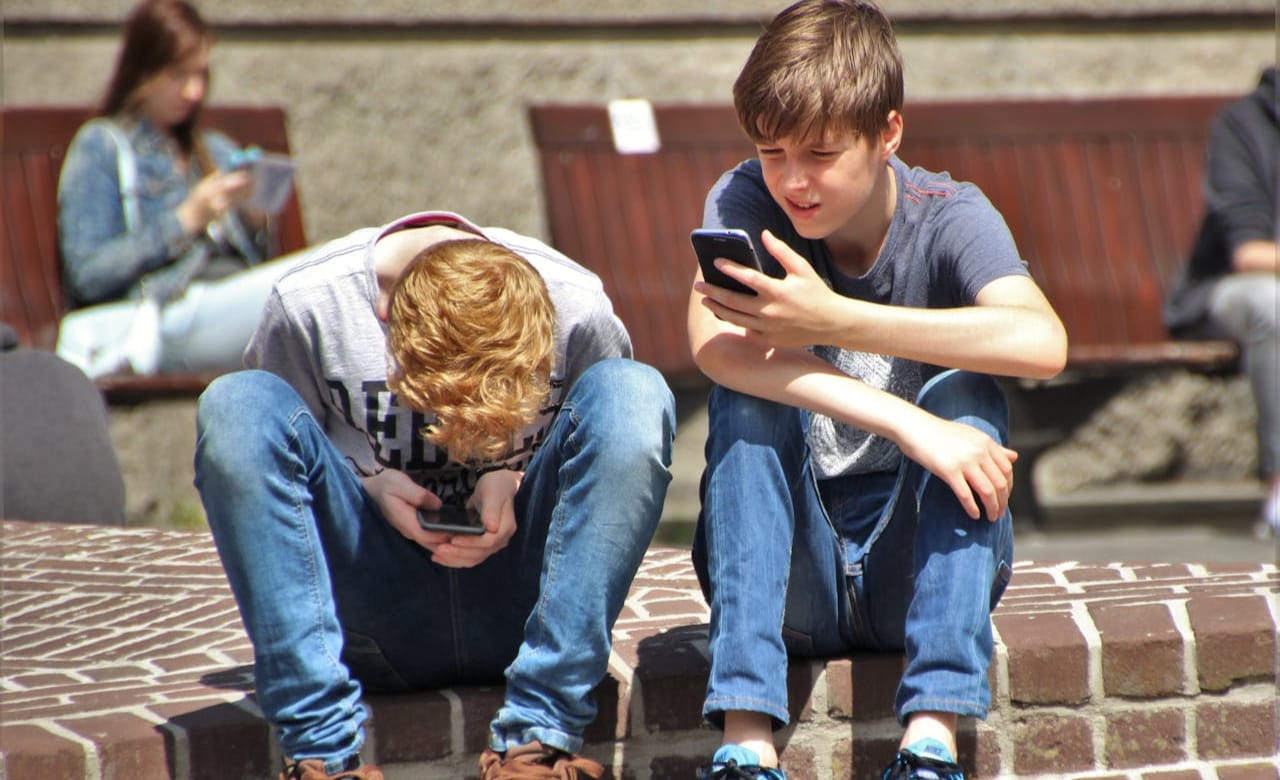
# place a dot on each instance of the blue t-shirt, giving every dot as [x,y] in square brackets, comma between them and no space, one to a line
[945,243]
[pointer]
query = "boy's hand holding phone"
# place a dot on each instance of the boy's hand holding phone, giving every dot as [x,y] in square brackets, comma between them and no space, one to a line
[731,244]
[452,520]
[493,503]
[794,310]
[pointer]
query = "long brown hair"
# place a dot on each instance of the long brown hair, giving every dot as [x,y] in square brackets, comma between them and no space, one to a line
[157,34]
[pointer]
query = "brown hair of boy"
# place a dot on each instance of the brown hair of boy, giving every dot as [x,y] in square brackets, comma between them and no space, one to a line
[821,67]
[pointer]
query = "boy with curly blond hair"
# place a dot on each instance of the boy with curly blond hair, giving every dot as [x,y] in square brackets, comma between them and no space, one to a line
[857,483]
[425,363]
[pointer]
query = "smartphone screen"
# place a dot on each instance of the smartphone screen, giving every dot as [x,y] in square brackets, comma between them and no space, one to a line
[451,519]
[733,244]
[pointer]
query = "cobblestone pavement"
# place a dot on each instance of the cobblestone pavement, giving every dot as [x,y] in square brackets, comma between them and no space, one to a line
[122,654]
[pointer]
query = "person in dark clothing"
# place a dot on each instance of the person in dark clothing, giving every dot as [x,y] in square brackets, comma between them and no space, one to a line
[57,462]
[1230,286]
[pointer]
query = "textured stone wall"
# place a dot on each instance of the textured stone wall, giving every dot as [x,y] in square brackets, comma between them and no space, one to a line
[399,105]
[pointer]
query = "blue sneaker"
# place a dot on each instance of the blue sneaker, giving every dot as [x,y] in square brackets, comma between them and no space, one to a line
[924,759]
[734,762]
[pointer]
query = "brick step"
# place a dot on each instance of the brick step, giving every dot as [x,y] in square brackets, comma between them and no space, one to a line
[123,657]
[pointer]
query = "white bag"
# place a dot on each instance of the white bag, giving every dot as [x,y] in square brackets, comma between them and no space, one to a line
[112,338]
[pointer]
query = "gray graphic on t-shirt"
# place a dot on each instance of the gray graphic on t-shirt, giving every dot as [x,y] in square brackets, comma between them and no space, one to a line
[837,448]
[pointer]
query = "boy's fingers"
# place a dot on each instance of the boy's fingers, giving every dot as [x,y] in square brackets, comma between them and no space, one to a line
[965,493]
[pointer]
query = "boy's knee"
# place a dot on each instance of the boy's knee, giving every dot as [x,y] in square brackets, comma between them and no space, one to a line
[225,399]
[633,391]
[968,397]
[747,417]
[238,412]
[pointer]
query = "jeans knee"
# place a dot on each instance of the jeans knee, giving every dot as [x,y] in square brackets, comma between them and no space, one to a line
[217,405]
[237,411]
[735,416]
[965,396]
[629,402]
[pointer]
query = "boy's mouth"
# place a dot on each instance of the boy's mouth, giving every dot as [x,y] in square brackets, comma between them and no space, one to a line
[802,207]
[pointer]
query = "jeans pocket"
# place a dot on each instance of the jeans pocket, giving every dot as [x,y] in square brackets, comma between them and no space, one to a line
[798,643]
[1004,573]
[363,656]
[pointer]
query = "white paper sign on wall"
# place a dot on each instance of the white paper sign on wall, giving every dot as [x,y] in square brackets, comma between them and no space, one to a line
[635,131]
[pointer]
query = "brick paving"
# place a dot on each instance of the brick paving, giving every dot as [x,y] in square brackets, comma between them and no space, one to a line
[122,656]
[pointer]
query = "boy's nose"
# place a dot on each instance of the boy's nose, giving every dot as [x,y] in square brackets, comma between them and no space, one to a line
[795,177]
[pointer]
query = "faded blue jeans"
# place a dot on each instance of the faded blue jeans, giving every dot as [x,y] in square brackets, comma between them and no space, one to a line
[336,602]
[793,564]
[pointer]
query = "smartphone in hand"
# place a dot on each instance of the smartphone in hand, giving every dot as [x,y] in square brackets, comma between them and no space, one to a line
[272,176]
[729,243]
[452,520]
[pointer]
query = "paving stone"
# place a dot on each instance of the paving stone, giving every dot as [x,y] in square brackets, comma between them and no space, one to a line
[1138,738]
[1048,658]
[31,751]
[1235,639]
[1142,650]
[126,745]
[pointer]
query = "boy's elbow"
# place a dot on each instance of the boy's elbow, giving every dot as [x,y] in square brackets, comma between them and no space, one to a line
[718,357]
[709,358]
[1049,358]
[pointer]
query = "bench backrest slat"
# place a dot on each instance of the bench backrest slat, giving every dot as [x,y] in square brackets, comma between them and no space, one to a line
[33,143]
[1102,197]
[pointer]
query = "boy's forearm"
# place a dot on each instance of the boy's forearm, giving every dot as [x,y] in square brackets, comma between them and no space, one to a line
[797,378]
[997,340]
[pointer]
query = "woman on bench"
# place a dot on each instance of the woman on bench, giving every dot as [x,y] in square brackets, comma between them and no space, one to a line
[161,256]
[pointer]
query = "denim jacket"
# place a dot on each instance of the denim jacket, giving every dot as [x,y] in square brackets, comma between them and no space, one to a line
[101,260]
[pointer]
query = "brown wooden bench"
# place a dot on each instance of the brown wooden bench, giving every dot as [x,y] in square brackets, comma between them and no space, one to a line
[32,300]
[1102,196]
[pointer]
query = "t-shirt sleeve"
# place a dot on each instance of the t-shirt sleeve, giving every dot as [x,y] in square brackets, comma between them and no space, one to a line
[598,335]
[282,344]
[971,248]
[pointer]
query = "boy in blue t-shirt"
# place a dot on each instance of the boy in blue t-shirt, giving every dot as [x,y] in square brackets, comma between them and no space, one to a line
[857,483]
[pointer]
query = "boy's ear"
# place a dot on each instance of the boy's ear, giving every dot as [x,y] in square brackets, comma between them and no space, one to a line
[891,134]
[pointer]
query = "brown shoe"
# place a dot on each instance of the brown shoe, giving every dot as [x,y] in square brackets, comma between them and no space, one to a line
[535,762]
[313,769]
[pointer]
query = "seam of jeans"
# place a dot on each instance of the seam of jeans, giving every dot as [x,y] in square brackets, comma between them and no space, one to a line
[846,593]
[455,621]
[555,528]
[317,600]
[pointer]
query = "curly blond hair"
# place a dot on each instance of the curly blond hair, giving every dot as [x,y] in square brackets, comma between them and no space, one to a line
[471,340]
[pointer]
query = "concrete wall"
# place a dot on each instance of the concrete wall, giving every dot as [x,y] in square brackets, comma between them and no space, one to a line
[396,105]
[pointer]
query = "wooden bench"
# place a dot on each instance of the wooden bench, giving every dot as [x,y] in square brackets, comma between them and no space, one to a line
[32,300]
[1103,197]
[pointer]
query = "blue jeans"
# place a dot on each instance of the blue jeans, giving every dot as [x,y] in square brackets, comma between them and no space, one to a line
[793,564]
[336,601]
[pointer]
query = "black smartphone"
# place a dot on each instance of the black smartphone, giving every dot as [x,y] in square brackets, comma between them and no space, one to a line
[729,243]
[451,519]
